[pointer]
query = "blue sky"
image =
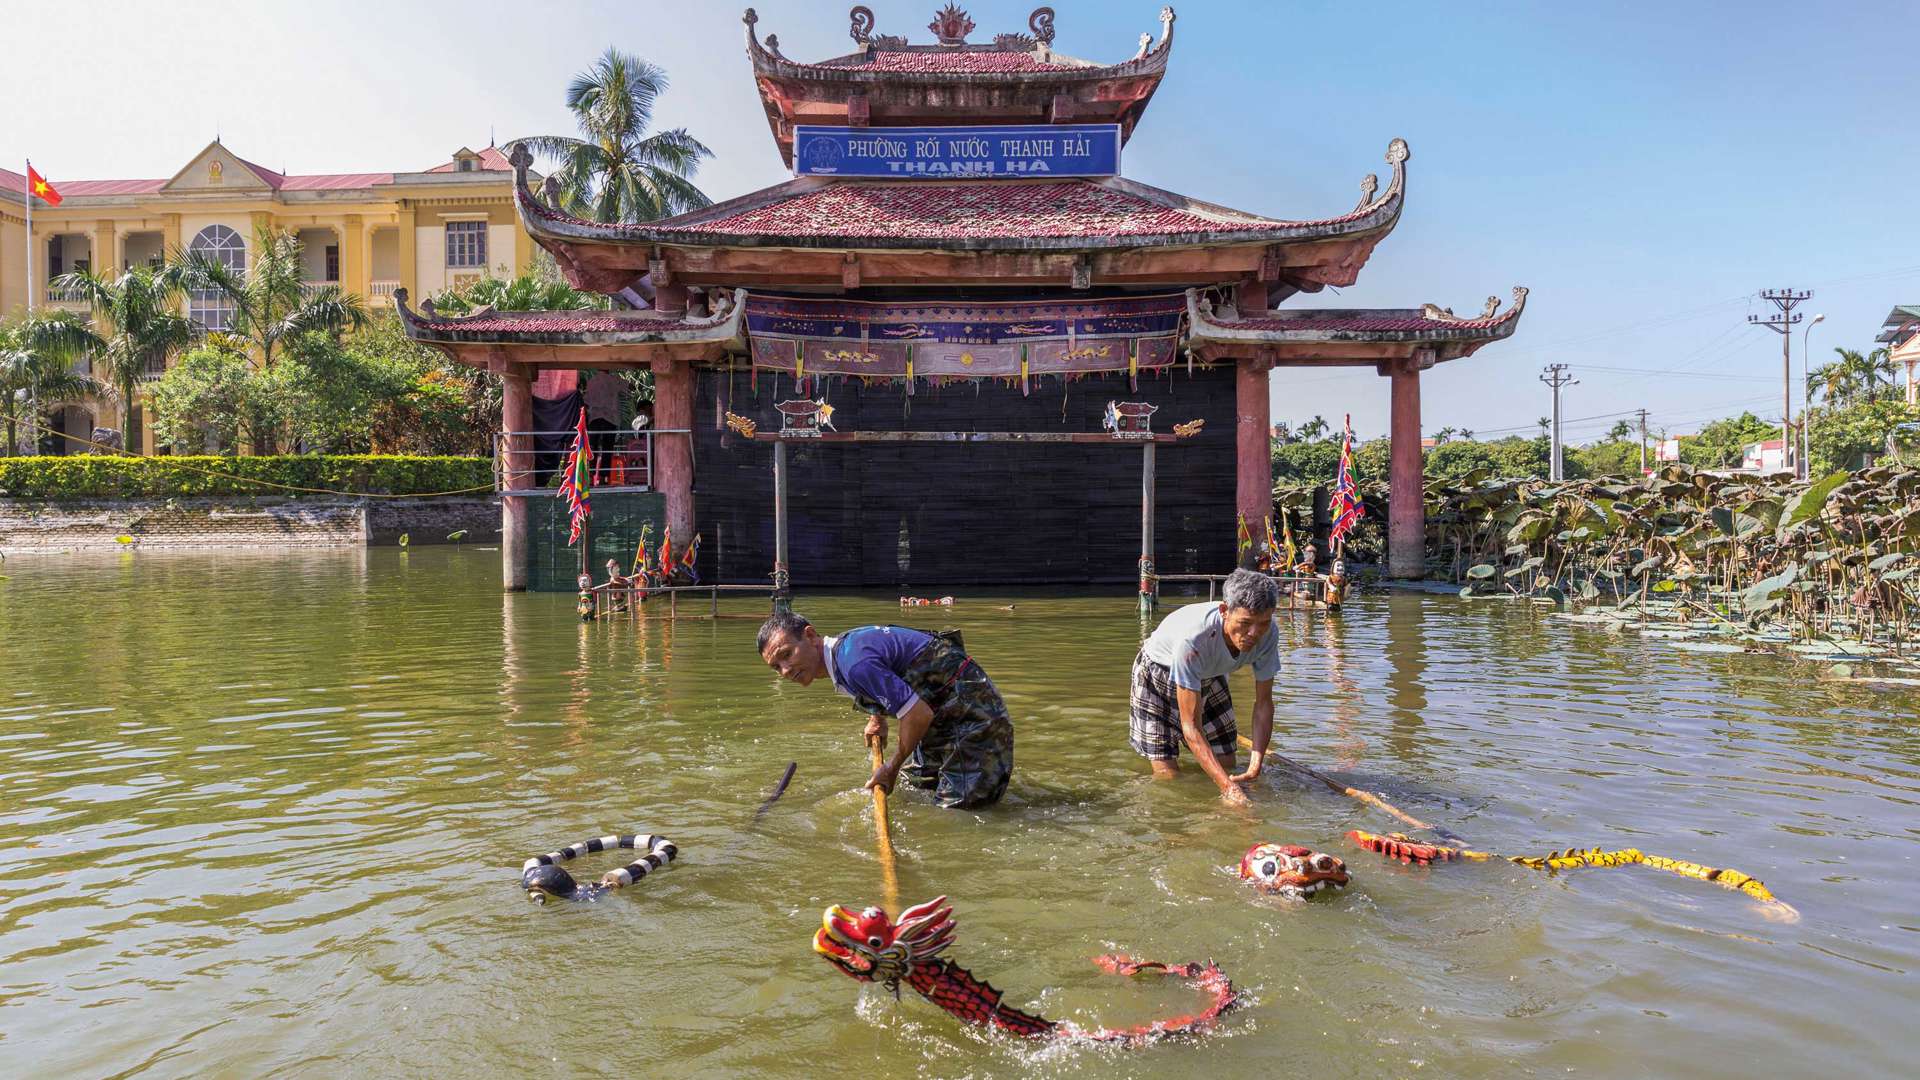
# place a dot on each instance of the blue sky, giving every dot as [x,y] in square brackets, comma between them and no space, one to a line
[1644,168]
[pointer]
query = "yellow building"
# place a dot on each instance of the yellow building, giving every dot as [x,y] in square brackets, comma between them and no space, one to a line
[369,233]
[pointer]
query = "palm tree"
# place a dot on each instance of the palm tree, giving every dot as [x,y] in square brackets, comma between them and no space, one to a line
[617,171]
[271,301]
[1873,367]
[136,325]
[36,366]
[528,292]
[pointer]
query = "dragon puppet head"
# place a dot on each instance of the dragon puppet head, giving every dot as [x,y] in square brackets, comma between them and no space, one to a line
[1292,871]
[870,947]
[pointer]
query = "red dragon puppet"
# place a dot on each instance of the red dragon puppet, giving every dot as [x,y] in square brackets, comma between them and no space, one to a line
[1292,871]
[870,947]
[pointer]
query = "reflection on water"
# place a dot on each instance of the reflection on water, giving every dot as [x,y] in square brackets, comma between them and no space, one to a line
[265,813]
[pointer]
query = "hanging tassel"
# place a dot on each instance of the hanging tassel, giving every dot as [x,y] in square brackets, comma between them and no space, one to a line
[1023,370]
[909,370]
[1133,365]
[799,367]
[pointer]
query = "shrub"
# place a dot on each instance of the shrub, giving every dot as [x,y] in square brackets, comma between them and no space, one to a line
[81,477]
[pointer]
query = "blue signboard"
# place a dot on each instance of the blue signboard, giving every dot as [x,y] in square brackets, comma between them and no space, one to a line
[1013,150]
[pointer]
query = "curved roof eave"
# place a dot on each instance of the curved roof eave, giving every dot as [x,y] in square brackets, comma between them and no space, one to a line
[1376,214]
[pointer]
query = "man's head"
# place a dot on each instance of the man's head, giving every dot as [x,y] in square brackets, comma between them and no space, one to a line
[792,647]
[613,567]
[1247,612]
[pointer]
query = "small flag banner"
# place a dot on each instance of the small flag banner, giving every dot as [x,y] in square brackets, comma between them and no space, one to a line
[574,486]
[38,187]
[1346,507]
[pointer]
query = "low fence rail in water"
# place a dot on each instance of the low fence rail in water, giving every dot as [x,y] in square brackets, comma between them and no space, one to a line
[610,599]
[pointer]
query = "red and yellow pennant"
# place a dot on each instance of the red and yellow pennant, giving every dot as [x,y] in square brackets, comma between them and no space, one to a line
[38,187]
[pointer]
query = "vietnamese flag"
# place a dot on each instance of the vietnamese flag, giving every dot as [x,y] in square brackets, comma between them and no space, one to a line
[38,187]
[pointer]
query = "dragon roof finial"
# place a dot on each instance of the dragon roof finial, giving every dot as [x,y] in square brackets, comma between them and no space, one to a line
[951,25]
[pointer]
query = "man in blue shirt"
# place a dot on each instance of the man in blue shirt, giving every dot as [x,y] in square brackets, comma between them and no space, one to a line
[1180,691]
[954,727]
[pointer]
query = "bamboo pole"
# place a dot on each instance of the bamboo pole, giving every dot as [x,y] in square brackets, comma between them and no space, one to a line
[883,835]
[1355,793]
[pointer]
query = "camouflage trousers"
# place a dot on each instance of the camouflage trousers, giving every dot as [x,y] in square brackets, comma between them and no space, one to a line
[966,756]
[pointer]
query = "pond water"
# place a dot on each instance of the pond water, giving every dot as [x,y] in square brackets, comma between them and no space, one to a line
[263,815]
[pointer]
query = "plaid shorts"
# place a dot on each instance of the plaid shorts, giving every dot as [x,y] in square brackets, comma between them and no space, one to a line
[1153,725]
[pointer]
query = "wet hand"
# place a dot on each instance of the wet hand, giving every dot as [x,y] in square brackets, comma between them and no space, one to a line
[1253,770]
[1234,795]
[877,730]
[883,778]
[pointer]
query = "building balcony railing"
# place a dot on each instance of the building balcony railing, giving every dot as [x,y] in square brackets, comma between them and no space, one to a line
[65,296]
[308,288]
[382,290]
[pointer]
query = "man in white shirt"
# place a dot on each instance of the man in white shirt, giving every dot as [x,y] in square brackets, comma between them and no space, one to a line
[1180,691]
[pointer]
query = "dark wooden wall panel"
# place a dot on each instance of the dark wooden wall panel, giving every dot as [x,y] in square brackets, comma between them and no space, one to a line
[973,514]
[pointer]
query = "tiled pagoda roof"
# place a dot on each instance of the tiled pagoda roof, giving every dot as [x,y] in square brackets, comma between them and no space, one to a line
[1074,215]
[1013,78]
[1353,335]
[630,336]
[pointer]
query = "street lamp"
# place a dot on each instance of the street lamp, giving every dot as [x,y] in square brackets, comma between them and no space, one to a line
[1806,400]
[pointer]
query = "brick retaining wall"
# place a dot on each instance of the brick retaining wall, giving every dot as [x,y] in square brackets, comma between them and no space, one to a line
[243,522]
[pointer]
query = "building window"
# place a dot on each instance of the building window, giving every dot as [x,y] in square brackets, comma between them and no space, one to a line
[212,308]
[466,164]
[333,262]
[466,243]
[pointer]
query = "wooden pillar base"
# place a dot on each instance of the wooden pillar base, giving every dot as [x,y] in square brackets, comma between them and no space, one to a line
[516,474]
[1253,445]
[1406,499]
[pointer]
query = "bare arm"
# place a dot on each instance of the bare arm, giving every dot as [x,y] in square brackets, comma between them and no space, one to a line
[1202,753]
[913,728]
[1262,728]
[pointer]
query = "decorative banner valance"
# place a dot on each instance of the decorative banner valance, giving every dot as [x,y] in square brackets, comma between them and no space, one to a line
[1016,340]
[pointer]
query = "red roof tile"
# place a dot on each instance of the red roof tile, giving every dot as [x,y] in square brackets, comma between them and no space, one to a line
[1325,321]
[970,210]
[952,62]
[491,160]
[548,322]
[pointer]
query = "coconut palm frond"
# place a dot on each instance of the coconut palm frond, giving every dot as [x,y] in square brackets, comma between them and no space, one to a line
[613,102]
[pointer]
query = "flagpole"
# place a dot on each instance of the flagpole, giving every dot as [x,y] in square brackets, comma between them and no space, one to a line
[30,289]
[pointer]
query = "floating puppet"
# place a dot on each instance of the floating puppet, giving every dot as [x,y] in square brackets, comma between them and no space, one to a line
[921,601]
[1292,871]
[1408,850]
[870,947]
[543,878]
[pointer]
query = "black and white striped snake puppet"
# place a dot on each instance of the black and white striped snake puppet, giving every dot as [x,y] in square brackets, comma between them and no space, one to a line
[542,877]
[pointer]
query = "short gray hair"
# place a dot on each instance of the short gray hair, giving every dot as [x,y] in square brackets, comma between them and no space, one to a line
[1250,590]
[780,624]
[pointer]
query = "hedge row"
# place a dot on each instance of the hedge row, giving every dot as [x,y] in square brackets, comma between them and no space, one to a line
[97,476]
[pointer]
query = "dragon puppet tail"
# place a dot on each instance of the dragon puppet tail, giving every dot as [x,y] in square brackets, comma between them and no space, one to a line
[1207,978]
[1407,850]
[972,999]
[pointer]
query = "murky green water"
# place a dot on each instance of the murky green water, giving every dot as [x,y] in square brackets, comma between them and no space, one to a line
[262,815]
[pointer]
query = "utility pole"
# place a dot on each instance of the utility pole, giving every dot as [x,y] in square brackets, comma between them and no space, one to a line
[1781,322]
[1643,442]
[1556,376]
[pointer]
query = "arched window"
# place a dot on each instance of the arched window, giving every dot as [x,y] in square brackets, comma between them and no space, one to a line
[211,308]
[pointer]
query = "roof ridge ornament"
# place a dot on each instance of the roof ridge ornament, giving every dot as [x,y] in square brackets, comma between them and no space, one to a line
[1368,186]
[861,30]
[1436,313]
[951,25]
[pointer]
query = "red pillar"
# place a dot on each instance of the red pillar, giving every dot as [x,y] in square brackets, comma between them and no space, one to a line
[1253,434]
[673,454]
[1406,507]
[516,471]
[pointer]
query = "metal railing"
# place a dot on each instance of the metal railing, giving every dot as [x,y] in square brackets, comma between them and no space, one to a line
[622,459]
[631,600]
[1315,587]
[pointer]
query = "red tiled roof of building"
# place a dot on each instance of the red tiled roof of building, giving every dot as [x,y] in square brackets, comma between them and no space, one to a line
[543,322]
[1364,322]
[952,62]
[960,210]
[491,160]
